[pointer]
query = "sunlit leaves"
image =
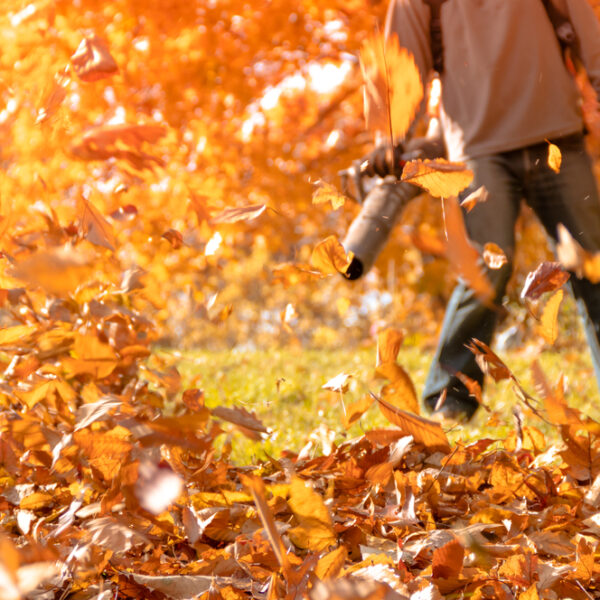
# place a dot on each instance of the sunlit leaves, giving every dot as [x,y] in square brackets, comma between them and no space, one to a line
[438,177]
[547,277]
[393,88]
[494,256]
[549,317]
[479,196]
[243,213]
[325,192]
[94,226]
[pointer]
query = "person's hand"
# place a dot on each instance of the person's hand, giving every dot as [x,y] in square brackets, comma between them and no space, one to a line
[424,147]
[382,161]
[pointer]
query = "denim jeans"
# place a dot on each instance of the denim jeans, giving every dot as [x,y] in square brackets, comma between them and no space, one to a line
[569,197]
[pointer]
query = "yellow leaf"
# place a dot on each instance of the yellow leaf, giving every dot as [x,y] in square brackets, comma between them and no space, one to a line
[585,561]
[393,88]
[494,256]
[400,392]
[331,564]
[531,593]
[554,157]
[439,177]
[549,318]
[462,255]
[575,258]
[315,529]
[388,345]
[36,500]
[330,257]
[424,431]
[19,333]
[328,193]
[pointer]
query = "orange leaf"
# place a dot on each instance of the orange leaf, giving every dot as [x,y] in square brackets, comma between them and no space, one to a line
[554,157]
[331,564]
[531,593]
[424,431]
[356,410]
[388,345]
[241,213]
[549,318]
[438,177]
[447,561]
[575,258]
[400,392]
[19,333]
[393,88]
[92,60]
[330,257]
[462,255]
[94,226]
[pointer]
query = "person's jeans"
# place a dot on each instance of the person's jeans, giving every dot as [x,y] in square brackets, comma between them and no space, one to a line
[569,197]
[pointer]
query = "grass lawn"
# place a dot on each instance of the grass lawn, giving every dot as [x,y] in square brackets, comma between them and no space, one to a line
[284,388]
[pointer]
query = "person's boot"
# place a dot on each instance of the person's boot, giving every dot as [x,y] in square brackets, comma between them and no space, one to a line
[452,408]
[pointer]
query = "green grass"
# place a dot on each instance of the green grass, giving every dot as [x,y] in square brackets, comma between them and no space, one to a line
[284,388]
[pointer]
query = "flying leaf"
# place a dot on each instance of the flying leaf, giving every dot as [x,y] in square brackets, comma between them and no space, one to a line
[474,198]
[554,157]
[17,334]
[174,238]
[400,392]
[339,383]
[330,257]
[247,422]
[575,258]
[326,192]
[424,431]
[438,177]
[53,97]
[393,88]
[488,361]
[356,410]
[241,213]
[462,255]
[549,318]
[548,277]
[388,345]
[494,256]
[94,226]
[92,60]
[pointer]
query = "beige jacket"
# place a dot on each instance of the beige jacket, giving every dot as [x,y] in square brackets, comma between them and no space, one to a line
[505,84]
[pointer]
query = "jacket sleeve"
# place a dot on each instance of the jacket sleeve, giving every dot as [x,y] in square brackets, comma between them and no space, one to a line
[586,25]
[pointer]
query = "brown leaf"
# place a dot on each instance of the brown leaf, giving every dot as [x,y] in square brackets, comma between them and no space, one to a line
[425,432]
[548,277]
[554,157]
[474,198]
[549,318]
[393,88]
[439,177]
[174,238]
[488,361]
[240,213]
[330,257]
[585,561]
[94,226]
[114,534]
[400,392]
[520,569]
[462,255]
[326,192]
[257,489]
[494,256]
[248,422]
[92,60]
[447,561]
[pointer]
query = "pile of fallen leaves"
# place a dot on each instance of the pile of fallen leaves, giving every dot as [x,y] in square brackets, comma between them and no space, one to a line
[111,486]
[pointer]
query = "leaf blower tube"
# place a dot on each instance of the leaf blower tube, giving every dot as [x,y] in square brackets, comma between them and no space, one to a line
[370,230]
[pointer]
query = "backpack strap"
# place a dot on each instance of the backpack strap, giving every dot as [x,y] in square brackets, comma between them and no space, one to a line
[435,33]
[565,33]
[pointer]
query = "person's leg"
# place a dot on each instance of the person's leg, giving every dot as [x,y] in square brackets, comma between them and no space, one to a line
[466,317]
[570,197]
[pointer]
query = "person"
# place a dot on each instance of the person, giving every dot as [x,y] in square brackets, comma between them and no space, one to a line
[506,93]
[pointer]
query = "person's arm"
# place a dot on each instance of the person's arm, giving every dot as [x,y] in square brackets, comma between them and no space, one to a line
[587,27]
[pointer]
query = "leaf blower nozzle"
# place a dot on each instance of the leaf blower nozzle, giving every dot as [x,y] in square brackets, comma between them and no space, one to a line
[370,230]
